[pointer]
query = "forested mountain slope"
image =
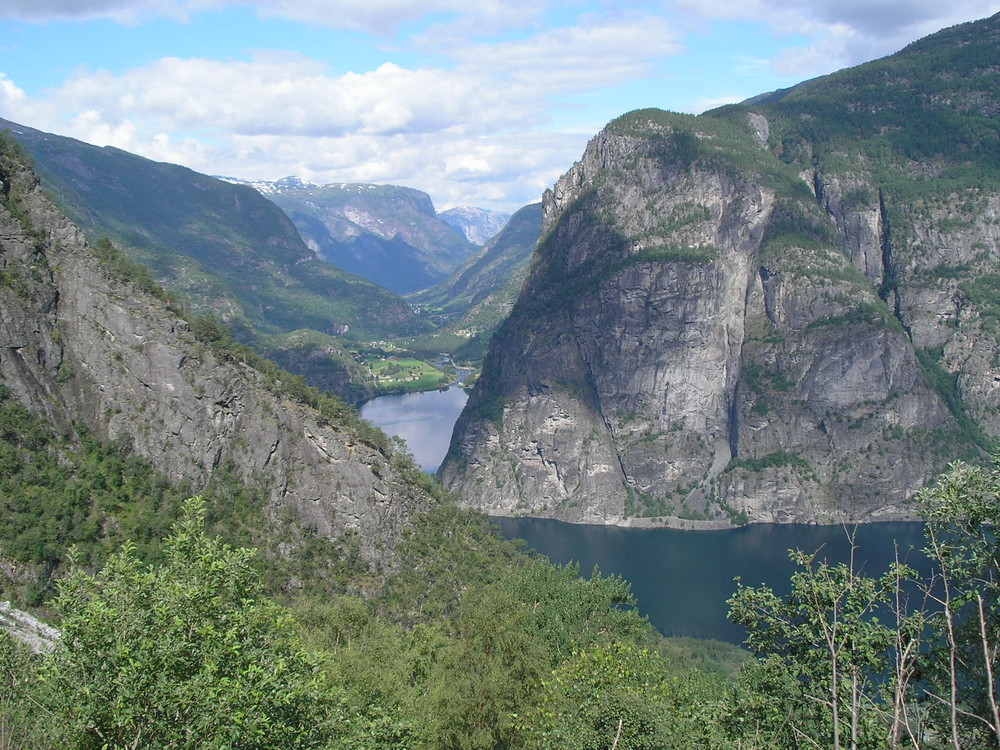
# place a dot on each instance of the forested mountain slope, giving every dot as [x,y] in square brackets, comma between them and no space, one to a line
[779,311]
[89,345]
[223,249]
[477,296]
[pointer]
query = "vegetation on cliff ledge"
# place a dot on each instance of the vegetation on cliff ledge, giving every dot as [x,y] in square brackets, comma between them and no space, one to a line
[474,644]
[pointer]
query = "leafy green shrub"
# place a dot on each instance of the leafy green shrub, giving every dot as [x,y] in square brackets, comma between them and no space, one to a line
[185,654]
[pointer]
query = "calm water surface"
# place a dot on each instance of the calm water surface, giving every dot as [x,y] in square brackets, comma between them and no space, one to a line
[424,420]
[681,578]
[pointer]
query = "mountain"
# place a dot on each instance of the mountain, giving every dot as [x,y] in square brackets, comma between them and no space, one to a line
[477,224]
[224,245]
[785,310]
[100,357]
[476,298]
[388,234]
[226,250]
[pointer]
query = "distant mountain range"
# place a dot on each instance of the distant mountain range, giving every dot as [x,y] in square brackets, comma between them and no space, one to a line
[390,235]
[230,250]
[227,248]
[478,225]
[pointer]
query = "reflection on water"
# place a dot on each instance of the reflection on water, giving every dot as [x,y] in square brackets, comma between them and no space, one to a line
[424,420]
[682,579]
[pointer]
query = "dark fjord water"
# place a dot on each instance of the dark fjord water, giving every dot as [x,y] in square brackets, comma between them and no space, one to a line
[681,578]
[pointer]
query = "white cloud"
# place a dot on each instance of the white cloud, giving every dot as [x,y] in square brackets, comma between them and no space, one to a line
[284,94]
[704,104]
[281,114]
[11,97]
[373,16]
[841,33]
[592,54]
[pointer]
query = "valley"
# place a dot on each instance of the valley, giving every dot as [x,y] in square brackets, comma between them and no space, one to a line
[268,447]
[285,284]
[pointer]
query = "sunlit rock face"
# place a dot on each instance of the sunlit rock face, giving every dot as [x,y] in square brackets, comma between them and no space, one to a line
[93,351]
[713,333]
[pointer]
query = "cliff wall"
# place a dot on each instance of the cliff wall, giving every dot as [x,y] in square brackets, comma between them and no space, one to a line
[711,332]
[90,350]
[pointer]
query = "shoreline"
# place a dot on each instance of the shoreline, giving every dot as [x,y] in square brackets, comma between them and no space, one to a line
[720,524]
[463,373]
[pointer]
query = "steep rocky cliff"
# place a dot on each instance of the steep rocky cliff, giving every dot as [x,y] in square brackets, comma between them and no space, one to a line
[92,351]
[782,311]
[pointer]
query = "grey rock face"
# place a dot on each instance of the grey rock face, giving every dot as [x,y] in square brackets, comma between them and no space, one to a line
[478,225]
[90,350]
[703,339]
[31,631]
[388,234]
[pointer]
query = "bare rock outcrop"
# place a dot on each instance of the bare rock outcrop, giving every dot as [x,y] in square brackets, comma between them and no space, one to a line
[708,333]
[88,349]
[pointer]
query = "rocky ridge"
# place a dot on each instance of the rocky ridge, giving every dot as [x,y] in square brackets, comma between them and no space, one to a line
[89,350]
[387,234]
[478,225]
[738,318]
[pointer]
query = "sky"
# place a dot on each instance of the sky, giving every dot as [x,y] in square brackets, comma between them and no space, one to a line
[477,102]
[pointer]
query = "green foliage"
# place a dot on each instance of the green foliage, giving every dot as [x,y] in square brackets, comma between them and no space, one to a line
[462,637]
[12,152]
[946,385]
[618,695]
[714,143]
[493,669]
[124,268]
[19,725]
[445,552]
[962,512]
[15,171]
[983,291]
[830,640]
[489,407]
[55,493]
[696,255]
[406,374]
[855,660]
[774,460]
[185,654]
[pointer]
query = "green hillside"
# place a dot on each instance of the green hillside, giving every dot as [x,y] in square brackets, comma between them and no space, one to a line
[476,298]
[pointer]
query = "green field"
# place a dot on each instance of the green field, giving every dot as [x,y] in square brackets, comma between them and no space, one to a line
[401,373]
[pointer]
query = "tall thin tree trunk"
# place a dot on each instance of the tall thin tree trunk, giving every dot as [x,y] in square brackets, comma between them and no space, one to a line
[988,657]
